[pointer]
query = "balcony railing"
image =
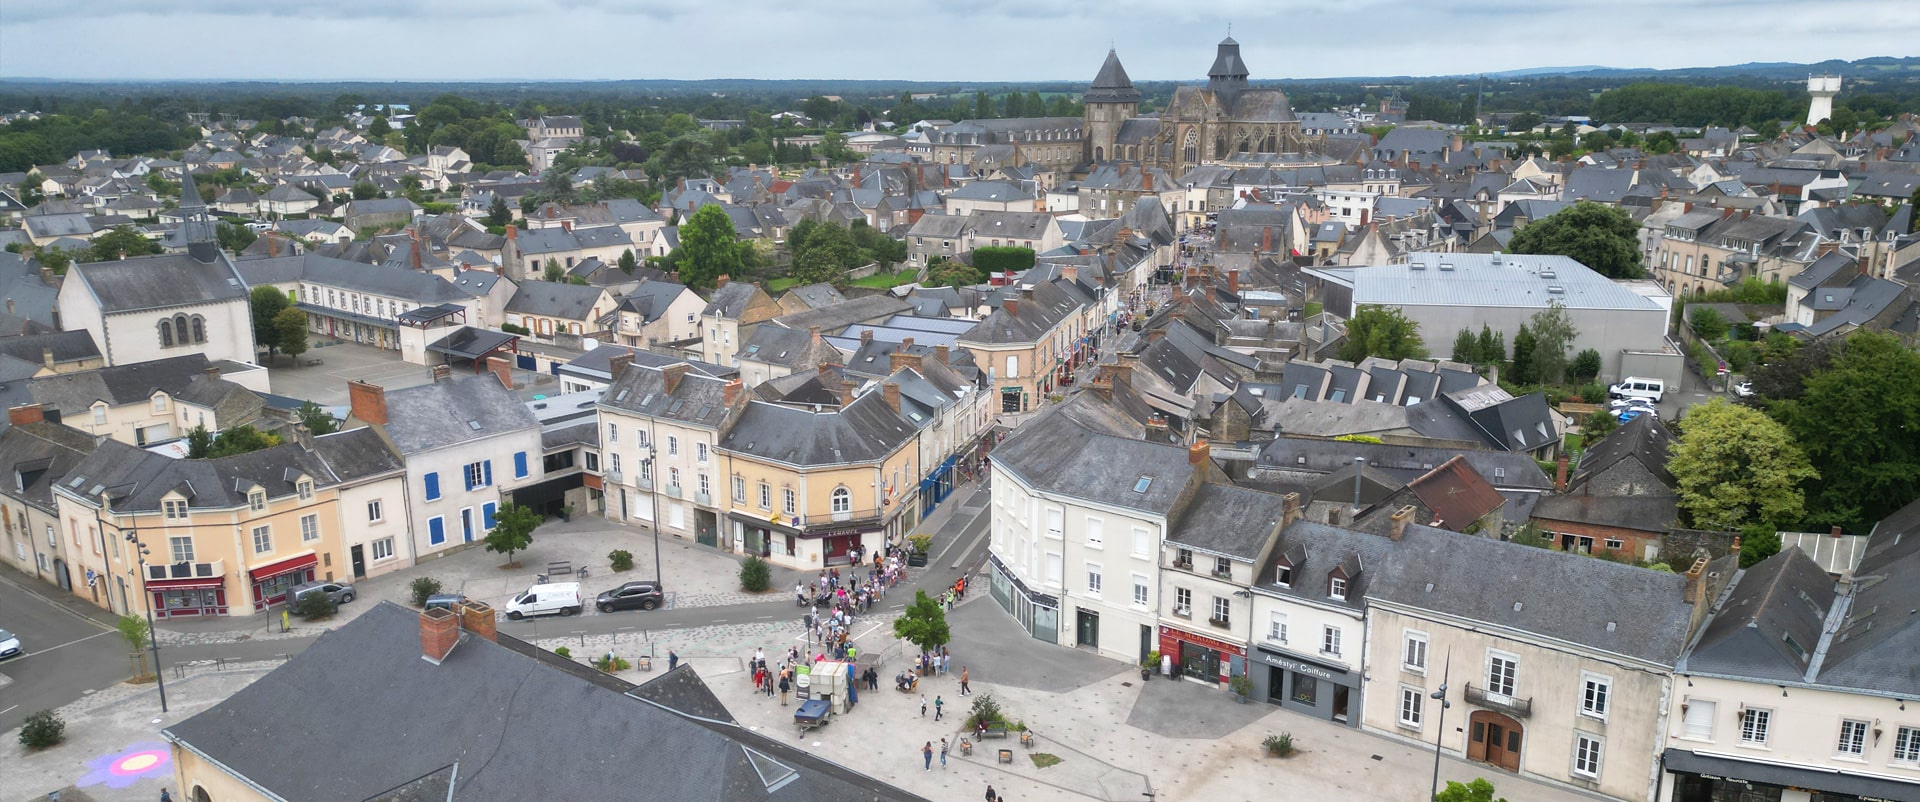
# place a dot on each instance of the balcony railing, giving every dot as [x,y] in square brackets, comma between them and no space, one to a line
[1220,622]
[614,477]
[188,570]
[673,491]
[703,499]
[1518,708]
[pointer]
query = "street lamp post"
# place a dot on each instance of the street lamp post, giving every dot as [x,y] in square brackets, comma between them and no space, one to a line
[653,484]
[153,642]
[1440,727]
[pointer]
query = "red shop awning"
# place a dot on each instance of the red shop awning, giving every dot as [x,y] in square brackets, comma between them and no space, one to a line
[271,570]
[185,584]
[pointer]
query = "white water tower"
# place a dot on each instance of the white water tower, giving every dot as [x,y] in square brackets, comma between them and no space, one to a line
[1822,88]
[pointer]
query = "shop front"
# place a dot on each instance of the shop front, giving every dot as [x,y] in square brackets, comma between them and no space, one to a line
[1039,613]
[1314,687]
[1698,777]
[187,598]
[271,582]
[1200,657]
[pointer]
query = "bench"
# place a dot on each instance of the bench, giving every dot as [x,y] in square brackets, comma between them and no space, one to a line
[316,362]
[997,731]
[558,569]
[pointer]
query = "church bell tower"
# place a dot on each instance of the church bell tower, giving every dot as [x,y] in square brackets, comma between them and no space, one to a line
[1110,102]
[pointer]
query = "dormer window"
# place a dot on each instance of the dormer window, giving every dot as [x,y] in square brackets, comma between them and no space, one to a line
[257,500]
[1337,588]
[1183,558]
[306,489]
[1222,567]
[175,509]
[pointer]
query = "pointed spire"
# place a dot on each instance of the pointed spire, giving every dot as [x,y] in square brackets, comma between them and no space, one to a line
[196,228]
[1112,84]
[189,194]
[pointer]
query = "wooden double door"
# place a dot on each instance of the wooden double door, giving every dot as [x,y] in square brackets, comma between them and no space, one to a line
[1494,738]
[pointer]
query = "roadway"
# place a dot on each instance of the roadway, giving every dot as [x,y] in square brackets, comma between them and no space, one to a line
[68,651]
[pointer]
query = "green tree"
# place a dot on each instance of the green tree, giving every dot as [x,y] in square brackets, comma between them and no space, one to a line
[199,442]
[365,190]
[1708,324]
[1553,334]
[512,531]
[1492,348]
[316,419]
[379,128]
[238,440]
[267,303]
[234,238]
[1477,791]
[133,629]
[1858,418]
[755,575]
[42,730]
[627,262]
[1734,466]
[498,215]
[923,623]
[1524,345]
[554,271]
[982,106]
[1604,238]
[952,273]
[119,243]
[290,331]
[1758,542]
[1466,348]
[1586,366]
[1382,332]
[997,259]
[709,248]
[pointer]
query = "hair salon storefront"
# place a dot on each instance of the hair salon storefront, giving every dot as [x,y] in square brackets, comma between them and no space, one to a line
[1319,688]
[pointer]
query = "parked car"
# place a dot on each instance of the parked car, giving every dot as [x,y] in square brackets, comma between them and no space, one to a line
[9,645]
[339,592]
[1743,388]
[637,595]
[445,601]
[1637,387]
[562,598]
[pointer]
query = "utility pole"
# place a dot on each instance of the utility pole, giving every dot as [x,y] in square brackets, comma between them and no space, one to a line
[1440,727]
[153,642]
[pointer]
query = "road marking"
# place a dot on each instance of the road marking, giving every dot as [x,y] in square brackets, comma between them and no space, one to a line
[764,618]
[64,645]
[9,710]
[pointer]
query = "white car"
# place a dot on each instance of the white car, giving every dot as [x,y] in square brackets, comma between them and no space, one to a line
[1743,389]
[9,645]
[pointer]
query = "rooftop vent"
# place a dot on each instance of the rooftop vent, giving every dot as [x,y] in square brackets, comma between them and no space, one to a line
[1416,265]
[1556,290]
[1547,272]
[1446,265]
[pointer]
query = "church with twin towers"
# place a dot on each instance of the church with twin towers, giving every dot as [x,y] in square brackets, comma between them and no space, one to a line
[1224,121]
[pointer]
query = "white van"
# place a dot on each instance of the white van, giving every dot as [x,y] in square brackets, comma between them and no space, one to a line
[555,597]
[1637,387]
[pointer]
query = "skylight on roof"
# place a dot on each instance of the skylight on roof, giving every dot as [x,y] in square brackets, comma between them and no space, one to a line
[1142,485]
[474,425]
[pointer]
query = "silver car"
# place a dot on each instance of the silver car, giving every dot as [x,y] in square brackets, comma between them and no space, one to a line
[339,592]
[9,645]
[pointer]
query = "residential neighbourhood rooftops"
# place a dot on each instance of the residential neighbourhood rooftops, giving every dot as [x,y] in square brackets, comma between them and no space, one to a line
[445,413]
[1472,279]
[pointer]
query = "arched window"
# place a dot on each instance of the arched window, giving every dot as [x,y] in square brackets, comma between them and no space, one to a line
[199,329]
[1220,146]
[166,333]
[1099,154]
[180,329]
[200,795]
[842,500]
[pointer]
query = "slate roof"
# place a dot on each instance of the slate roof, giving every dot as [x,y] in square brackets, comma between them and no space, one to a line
[437,415]
[555,299]
[1227,520]
[1075,457]
[1654,514]
[357,454]
[136,480]
[865,431]
[731,300]
[833,317]
[393,282]
[159,282]
[117,385]
[35,456]
[1768,624]
[67,346]
[1644,439]
[405,728]
[697,399]
[1111,84]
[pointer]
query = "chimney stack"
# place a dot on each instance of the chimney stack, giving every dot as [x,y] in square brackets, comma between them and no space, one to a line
[1199,453]
[1836,530]
[1333,516]
[439,633]
[1012,305]
[303,436]
[619,364]
[721,280]
[1560,473]
[1233,281]
[513,231]
[673,374]
[813,333]
[25,414]
[1400,518]
[442,373]
[901,359]
[273,244]
[1289,509]
[891,390]
[502,368]
[1156,428]
[368,402]
[866,336]
[46,354]
[1695,588]
[730,393]
[477,617]
[846,391]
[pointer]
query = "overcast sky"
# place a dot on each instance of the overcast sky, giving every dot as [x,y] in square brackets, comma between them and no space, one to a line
[967,40]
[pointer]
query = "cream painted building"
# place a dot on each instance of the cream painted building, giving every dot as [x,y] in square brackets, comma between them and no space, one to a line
[34,454]
[147,403]
[659,465]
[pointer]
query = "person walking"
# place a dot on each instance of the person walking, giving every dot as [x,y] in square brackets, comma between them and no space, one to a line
[926,755]
[964,690]
[923,705]
[943,753]
[939,706]
[673,660]
[991,796]
[785,686]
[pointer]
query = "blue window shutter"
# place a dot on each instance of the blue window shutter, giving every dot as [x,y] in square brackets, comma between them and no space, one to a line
[486,473]
[519,464]
[433,486]
[486,515]
[436,531]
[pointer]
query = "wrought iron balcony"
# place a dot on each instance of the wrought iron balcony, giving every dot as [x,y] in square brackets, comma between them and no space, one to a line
[1512,706]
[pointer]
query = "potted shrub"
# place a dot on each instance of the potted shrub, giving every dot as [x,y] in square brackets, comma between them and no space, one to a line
[1151,664]
[622,559]
[1242,687]
[919,543]
[1279,745]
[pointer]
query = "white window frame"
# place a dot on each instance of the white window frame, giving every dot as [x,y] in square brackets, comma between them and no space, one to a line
[1141,591]
[739,490]
[1511,679]
[309,528]
[1413,707]
[1596,695]
[1906,746]
[383,544]
[1277,627]
[1056,522]
[1413,651]
[1095,580]
[766,496]
[1330,639]
[175,508]
[375,511]
[1222,610]
[1183,601]
[1691,704]
[263,539]
[305,489]
[180,547]
[256,500]
[1142,543]
[1336,588]
[1588,752]
[1857,739]
[1756,724]
[1096,533]
[841,500]
[789,500]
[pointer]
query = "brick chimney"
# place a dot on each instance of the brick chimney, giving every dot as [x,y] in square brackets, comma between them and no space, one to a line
[442,373]
[502,369]
[721,280]
[619,364]
[439,633]
[901,359]
[846,391]
[1199,453]
[368,402]
[1560,473]
[26,413]
[1266,240]
[1400,519]
[513,231]
[866,336]
[1289,509]
[414,257]
[273,244]
[1156,428]
[813,334]
[477,617]
[1836,531]
[1012,305]
[1333,516]
[1695,588]
[944,354]
[672,374]
[891,391]
[1233,281]
[1070,272]
[730,393]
